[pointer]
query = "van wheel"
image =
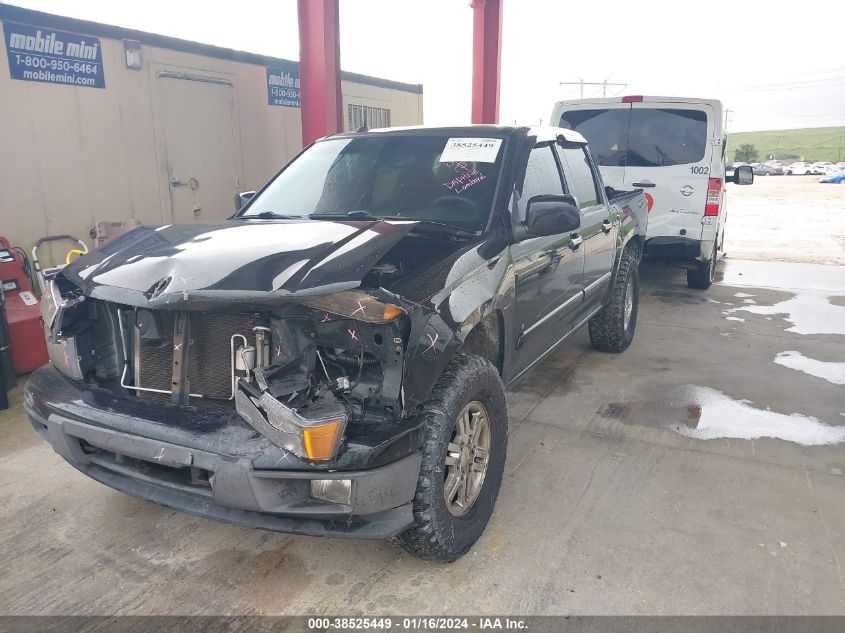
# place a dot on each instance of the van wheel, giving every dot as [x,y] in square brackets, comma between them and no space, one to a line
[701,277]
[466,422]
[612,329]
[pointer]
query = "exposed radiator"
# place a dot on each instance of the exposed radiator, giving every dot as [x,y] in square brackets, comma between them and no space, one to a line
[209,356]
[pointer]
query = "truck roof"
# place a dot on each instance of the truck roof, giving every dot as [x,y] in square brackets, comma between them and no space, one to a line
[543,133]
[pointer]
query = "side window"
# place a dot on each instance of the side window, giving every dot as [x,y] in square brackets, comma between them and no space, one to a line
[542,178]
[581,180]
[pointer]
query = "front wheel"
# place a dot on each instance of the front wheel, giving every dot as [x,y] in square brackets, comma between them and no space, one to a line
[466,426]
[612,329]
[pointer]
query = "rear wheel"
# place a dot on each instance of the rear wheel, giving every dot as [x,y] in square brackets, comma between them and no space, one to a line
[701,277]
[464,450]
[612,329]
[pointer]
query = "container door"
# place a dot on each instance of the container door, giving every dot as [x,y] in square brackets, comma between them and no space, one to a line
[196,125]
[668,155]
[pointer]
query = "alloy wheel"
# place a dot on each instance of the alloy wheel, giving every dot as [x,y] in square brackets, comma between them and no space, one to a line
[467,456]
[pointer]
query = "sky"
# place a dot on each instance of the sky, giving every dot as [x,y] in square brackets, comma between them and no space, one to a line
[774,65]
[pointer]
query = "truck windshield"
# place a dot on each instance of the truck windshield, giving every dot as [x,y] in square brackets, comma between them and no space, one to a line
[386,176]
[625,137]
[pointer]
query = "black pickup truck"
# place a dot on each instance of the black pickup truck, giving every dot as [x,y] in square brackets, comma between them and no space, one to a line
[332,360]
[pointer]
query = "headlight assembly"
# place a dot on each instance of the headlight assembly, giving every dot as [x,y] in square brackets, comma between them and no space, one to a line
[51,304]
[356,305]
[61,349]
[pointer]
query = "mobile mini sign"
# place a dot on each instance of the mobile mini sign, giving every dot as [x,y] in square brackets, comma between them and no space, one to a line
[49,56]
[283,87]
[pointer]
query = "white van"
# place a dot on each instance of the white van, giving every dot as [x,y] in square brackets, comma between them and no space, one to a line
[674,149]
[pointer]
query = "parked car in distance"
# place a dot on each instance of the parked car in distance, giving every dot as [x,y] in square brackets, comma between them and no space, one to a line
[819,167]
[799,169]
[830,169]
[836,179]
[340,347]
[768,170]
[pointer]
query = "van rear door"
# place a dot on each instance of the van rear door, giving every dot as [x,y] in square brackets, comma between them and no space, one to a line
[605,126]
[669,153]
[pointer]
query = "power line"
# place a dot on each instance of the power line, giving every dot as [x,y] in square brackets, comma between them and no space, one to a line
[821,82]
[604,84]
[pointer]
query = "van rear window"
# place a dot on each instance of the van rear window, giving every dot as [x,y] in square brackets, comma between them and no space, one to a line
[622,137]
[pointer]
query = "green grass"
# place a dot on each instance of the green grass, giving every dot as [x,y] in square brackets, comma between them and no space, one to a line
[811,144]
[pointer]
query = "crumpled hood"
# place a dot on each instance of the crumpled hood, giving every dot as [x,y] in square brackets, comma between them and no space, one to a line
[234,261]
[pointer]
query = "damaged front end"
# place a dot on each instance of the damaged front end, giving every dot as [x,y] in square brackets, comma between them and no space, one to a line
[305,372]
[318,366]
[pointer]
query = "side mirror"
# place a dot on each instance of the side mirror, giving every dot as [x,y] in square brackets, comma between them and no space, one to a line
[744,175]
[242,198]
[552,215]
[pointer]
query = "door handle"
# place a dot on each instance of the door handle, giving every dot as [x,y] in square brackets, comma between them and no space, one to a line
[575,241]
[175,182]
[606,226]
[644,185]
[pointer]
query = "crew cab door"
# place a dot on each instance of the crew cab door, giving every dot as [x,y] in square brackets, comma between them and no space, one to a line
[598,229]
[547,269]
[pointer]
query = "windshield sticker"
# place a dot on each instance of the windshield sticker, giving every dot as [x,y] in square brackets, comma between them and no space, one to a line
[480,150]
[468,176]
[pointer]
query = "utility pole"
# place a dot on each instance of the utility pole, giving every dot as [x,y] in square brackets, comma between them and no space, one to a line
[727,112]
[581,83]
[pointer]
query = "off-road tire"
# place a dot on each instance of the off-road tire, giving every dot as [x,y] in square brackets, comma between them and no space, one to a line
[608,332]
[701,277]
[437,534]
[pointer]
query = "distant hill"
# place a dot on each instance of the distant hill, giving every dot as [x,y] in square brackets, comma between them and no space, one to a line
[811,144]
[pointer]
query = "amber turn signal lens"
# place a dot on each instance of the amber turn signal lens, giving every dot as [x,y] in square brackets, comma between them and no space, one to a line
[321,440]
[391,311]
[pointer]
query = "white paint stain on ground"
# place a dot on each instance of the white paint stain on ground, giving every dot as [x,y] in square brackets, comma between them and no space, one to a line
[832,372]
[733,318]
[743,295]
[719,416]
[809,311]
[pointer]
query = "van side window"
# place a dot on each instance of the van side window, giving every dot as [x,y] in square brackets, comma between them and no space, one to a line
[580,177]
[542,178]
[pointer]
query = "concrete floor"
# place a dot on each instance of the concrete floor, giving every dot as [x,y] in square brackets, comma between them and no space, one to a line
[610,504]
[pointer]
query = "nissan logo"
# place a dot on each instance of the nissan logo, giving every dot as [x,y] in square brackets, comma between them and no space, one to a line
[687,190]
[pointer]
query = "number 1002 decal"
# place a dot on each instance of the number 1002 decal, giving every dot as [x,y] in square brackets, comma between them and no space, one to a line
[695,169]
